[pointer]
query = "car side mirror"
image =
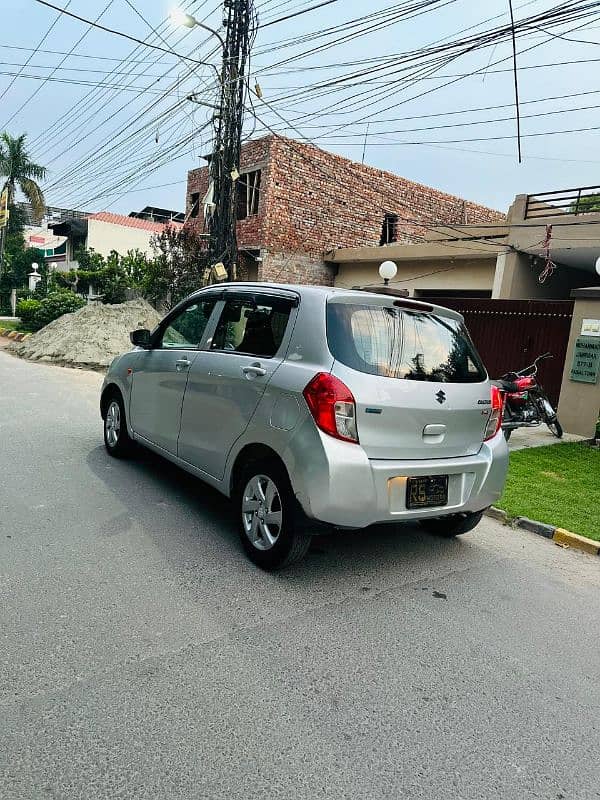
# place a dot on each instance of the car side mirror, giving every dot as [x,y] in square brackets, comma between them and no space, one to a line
[140,338]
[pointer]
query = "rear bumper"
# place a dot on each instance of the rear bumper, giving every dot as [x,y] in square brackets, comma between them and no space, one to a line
[342,487]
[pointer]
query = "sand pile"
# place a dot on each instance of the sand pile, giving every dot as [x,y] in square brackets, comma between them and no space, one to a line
[90,337]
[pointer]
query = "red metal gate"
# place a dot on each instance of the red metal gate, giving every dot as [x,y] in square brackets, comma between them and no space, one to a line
[509,334]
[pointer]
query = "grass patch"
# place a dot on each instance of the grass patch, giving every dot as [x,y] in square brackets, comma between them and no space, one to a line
[10,325]
[558,485]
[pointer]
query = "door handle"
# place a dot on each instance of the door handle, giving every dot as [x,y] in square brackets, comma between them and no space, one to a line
[254,369]
[182,364]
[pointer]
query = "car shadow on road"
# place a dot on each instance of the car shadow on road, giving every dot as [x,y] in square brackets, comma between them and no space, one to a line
[190,522]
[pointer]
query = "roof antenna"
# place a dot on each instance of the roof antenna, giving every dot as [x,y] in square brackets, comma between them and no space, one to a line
[365,144]
[514,43]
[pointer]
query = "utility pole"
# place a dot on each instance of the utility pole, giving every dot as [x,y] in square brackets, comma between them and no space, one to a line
[228,121]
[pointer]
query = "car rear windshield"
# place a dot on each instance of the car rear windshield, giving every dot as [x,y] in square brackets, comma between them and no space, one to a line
[409,345]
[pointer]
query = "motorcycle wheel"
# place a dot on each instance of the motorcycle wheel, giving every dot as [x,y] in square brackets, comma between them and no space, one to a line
[555,428]
[507,433]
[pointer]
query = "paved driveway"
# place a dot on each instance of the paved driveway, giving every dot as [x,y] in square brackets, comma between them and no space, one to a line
[141,655]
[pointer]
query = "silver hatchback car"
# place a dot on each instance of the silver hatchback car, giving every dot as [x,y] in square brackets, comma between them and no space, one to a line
[309,405]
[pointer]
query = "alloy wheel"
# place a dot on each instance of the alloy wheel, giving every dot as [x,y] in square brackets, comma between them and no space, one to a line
[262,514]
[113,424]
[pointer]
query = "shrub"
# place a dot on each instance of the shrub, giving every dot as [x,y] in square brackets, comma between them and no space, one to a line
[27,310]
[55,305]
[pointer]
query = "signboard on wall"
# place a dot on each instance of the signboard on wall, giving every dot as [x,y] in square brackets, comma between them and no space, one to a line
[590,327]
[586,359]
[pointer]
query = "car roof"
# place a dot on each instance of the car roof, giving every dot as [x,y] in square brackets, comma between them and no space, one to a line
[315,290]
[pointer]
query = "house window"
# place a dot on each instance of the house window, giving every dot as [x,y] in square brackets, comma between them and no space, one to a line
[248,194]
[389,229]
[195,204]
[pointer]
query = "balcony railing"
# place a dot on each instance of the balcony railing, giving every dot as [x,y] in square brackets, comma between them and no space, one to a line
[584,200]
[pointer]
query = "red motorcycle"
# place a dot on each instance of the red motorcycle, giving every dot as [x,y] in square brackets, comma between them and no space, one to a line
[526,404]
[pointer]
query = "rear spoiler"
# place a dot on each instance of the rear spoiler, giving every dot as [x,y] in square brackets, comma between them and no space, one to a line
[403,293]
[383,295]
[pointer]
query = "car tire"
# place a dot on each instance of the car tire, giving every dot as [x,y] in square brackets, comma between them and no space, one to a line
[555,428]
[117,441]
[453,525]
[270,521]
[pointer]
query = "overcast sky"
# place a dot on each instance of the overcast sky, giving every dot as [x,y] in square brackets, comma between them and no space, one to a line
[99,142]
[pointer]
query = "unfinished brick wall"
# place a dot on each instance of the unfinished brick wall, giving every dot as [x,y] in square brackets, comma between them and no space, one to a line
[319,201]
[250,231]
[295,268]
[312,201]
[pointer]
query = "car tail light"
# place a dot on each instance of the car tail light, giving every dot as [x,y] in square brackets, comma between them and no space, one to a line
[332,405]
[494,422]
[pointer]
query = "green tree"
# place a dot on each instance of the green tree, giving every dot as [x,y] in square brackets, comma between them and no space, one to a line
[115,277]
[19,263]
[19,171]
[586,204]
[180,267]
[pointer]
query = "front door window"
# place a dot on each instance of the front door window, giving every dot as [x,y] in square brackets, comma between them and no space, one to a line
[185,331]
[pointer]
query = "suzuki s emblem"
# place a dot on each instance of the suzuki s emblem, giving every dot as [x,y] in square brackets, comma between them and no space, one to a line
[441,397]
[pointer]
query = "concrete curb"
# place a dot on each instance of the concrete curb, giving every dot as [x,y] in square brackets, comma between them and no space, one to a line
[18,336]
[563,537]
[559,536]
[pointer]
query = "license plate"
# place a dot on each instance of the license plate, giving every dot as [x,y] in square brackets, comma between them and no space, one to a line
[426,491]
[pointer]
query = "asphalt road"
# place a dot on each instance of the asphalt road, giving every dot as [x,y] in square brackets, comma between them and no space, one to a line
[142,656]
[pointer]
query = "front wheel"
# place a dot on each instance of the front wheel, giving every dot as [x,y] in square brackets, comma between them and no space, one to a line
[507,433]
[270,528]
[452,525]
[116,437]
[549,416]
[555,428]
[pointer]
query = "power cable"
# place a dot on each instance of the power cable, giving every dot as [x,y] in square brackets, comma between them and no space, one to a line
[298,13]
[34,51]
[93,24]
[75,46]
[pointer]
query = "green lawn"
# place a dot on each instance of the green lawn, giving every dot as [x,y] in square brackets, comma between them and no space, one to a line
[9,325]
[559,485]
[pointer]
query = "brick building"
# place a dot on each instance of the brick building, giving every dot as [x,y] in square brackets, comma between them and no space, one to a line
[295,202]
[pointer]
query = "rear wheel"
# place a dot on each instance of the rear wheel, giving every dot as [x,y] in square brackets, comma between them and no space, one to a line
[116,437]
[453,525]
[270,524]
[507,433]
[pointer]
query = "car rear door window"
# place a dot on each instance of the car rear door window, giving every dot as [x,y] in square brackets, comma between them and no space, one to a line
[252,327]
[409,345]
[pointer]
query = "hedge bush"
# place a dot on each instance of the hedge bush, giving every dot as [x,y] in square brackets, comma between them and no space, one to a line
[37,314]
[55,305]
[27,310]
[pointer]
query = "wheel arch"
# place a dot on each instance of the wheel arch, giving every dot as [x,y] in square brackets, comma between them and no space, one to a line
[250,453]
[110,391]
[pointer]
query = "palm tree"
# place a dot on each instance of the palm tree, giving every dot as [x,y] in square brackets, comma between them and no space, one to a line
[17,169]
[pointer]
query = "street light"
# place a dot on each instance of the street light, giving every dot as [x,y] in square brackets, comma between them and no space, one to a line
[179,17]
[387,270]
